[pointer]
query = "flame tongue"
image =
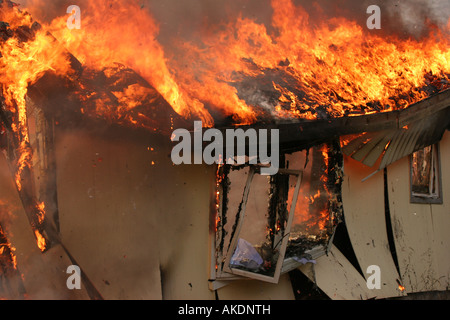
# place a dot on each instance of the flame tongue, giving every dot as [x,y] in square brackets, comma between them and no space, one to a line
[7,256]
[333,69]
[244,72]
[26,53]
[109,35]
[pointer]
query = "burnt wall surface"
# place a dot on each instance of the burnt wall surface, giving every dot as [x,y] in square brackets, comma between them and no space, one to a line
[132,219]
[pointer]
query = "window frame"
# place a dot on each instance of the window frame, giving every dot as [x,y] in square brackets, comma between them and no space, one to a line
[422,198]
[219,250]
[283,246]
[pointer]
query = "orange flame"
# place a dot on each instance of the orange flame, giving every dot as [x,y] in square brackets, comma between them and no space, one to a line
[97,46]
[41,212]
[7,251]
[40,215]
[309,216]
[22,63]
[336,64]
[400,286]
[41,241]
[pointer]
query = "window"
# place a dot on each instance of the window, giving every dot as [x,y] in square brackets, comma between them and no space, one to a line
[258,251]
[268,225]
[425,176]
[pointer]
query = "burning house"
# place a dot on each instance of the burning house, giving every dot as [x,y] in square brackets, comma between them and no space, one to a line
[87,178]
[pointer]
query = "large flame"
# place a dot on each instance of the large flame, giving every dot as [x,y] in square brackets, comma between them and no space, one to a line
[311,70]
[7,252]
[8,259]
[123,32]
[26,54]
[22,63]
[335,65]
[313,210]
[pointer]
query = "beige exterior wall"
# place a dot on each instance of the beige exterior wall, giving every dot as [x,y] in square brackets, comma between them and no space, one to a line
[421,231]
[140,227]
[43,275]
[137,224]
[364,213]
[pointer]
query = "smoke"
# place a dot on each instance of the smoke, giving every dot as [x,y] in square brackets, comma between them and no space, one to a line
[46,11]
[187,20]
[414,18]
[404,18]
[416,15]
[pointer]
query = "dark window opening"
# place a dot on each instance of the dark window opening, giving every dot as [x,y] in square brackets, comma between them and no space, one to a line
[268,225]
[304,288]
[342,242]
[425,176]
[389,229]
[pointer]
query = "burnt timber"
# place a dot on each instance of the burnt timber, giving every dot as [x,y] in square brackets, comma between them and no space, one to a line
[415,127]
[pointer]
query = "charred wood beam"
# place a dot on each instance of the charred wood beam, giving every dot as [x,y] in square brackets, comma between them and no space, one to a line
[323,131]
[22,172]
[4,117]
[303,134]
[16,143]
[429,118]
[74,101]
[45,166]
[91,290]
[395,144]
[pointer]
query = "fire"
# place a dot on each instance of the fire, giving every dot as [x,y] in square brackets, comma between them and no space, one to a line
[312,213]
[336,65]
[26,54]
[22,63]
[41,241]
[400,286]
[123,32]
[313,70]
[40,212]
[219,179]
[7,255]
[314,197]
[37,226]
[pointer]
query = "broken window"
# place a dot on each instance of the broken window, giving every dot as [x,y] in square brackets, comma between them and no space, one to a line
[425,176]
[319,206]
[262,227]
[269,225]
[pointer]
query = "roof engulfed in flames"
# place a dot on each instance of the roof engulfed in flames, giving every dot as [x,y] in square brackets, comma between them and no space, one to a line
[244,72]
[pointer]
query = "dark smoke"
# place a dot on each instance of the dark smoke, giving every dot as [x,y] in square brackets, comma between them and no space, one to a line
[188,19]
